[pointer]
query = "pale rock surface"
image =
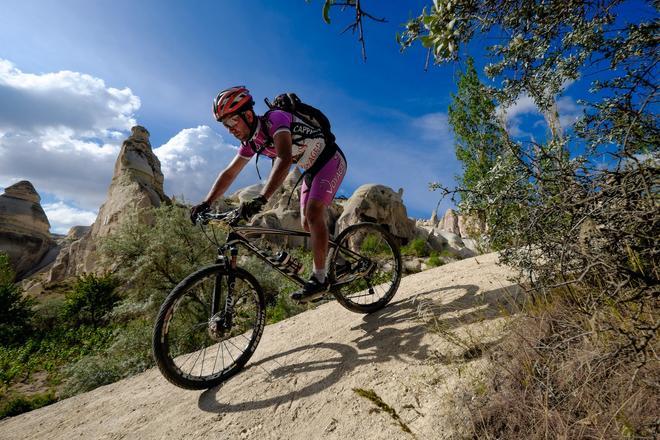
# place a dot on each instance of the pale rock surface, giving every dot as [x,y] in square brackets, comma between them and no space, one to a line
[247,193]
[455,244]
[137,184]
[434,218]
[299,385]
[24,227]
[379,204]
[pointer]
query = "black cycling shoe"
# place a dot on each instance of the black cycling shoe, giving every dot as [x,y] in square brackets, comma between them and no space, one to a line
[312,289]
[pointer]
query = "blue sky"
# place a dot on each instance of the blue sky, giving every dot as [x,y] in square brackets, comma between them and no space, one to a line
[75,75]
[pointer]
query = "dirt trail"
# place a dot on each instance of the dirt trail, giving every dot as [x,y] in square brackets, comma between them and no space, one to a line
[300,382]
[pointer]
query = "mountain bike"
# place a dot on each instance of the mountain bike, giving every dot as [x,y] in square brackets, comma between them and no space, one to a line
[210,324]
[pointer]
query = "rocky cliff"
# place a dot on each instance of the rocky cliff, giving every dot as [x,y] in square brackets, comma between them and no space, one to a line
[137,184]
[24,227]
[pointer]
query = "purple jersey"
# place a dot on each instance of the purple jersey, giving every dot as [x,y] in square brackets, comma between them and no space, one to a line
[307,140]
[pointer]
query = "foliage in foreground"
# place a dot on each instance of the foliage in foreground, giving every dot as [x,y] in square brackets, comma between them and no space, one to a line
[584,236]
[128,353]
[559,374]
[150,260]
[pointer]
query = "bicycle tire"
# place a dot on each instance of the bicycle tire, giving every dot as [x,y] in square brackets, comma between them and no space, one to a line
[376,243]
[164,351]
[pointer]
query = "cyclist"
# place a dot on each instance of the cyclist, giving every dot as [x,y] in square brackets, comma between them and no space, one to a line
[285,138]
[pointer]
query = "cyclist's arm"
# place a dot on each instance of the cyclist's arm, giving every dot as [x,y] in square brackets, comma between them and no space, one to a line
[226,178]
[282,141]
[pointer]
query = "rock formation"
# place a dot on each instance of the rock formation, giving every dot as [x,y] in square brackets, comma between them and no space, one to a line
[454,234]
[24,235]
[137,184]
[462,225]
[379,204]
[449,222]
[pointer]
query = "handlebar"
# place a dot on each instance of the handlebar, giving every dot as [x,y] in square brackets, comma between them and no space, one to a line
[232,217]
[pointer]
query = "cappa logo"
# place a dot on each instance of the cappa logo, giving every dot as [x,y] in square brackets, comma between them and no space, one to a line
[304,129]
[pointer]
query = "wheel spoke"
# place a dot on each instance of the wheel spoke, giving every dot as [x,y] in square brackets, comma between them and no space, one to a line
[185,350]
[375,267]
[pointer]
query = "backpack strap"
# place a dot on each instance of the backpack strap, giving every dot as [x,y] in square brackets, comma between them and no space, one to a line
[253,145]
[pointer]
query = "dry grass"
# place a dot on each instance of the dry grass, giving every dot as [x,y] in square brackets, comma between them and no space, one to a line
[562,373]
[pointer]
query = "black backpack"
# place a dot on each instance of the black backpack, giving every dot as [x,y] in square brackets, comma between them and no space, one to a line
[289,102]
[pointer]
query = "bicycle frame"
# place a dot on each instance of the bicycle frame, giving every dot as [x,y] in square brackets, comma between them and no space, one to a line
[239,235]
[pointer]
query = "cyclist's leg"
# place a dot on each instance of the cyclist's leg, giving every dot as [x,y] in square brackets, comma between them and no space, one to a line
[314,201]
[315,212]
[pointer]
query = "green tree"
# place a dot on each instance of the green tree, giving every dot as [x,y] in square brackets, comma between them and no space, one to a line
[92,298]
[479,135]
[15,309]
[484,150]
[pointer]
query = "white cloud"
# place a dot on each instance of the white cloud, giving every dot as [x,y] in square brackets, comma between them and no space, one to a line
[193,158]
[525,107]
[402,162]
[569,111]
[75,100]
[433,127]
[62,217]
[62,132]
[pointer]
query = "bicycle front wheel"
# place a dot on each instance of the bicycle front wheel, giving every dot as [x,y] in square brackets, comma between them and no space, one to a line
[365,268]
[195,348]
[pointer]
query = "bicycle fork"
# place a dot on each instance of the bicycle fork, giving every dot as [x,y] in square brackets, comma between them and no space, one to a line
[222,314]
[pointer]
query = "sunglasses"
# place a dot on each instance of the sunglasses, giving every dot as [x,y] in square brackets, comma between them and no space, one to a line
[231,121]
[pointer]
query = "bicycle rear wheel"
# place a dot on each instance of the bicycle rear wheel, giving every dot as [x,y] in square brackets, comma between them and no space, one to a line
[192,347]
[365,267]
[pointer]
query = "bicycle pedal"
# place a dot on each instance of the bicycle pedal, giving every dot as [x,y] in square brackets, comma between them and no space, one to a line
[323,296]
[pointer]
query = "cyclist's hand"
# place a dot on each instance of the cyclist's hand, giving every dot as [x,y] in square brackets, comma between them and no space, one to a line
[252,207]
[196,210]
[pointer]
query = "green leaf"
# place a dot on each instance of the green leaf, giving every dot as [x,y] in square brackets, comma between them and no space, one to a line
[427,41]
[326,10]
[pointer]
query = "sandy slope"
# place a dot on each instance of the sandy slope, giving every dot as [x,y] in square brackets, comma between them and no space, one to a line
[299,384]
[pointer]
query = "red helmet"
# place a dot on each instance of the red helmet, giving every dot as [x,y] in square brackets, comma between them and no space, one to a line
[232,100]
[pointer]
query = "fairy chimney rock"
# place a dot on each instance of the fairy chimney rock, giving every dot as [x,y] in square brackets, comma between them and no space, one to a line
[24,227]
[137,184]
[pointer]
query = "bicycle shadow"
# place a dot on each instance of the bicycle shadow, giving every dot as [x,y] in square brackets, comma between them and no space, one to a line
[396,332]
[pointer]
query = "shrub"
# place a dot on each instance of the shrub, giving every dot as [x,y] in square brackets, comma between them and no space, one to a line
[15,310]
[559,374]
[91,299]
[89,373]
[129,353]
[374,244]
[434,260]
[49,313]
[50,351]
[416,248]
[16,405]
[151,259]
